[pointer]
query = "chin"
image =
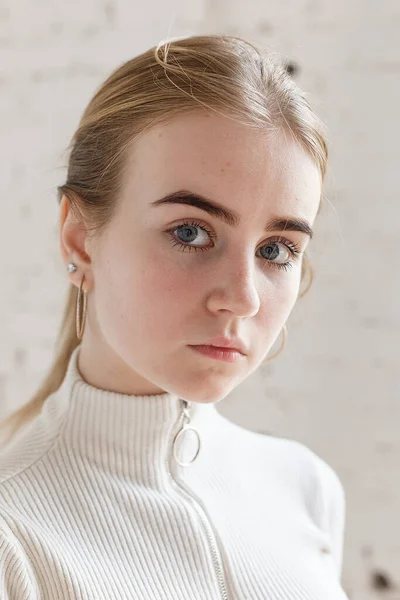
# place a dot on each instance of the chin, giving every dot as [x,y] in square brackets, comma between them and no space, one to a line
[203,396]
[207,400]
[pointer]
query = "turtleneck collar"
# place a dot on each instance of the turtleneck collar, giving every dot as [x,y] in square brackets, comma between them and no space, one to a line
[129,434]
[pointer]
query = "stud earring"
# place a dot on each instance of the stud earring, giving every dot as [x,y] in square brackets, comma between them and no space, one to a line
[71,267]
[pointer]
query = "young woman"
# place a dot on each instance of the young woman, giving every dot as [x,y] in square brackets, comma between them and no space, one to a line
[193,184]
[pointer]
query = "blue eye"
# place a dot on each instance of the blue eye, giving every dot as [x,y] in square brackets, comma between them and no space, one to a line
[187,235]
[273,251]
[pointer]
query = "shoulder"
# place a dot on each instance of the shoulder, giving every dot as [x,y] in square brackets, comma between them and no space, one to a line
[299,466]
[34,440]
[331,505]
[300,457]
[307,475]
[321,490]
[319,480]
[17,455]
[322,493]
[16,578]
[332,489]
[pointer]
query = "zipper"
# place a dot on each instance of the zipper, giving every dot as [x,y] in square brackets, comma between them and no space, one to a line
[195,501]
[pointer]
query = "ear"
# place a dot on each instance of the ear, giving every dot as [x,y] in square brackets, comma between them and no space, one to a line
[73,245]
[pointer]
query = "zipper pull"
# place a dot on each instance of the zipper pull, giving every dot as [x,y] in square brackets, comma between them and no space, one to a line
[186,406]
[186,431]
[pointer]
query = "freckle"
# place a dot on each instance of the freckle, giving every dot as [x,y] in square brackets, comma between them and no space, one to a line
[325,550]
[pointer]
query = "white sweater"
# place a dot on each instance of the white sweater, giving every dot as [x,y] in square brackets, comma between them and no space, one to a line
[94,506]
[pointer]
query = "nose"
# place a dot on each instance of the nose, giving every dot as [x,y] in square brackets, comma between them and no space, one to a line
[234,288]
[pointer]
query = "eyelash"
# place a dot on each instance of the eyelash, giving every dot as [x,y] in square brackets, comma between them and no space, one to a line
[293,248]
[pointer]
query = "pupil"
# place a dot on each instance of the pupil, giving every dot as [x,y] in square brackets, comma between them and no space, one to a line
[271,252]
[191,233]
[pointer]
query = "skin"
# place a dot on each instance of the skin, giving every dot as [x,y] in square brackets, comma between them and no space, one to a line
[148,299]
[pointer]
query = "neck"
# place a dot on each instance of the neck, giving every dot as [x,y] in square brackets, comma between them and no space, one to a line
[102,368]
[129,435]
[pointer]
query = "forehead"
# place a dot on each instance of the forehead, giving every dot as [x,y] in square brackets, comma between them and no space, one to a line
[221,158]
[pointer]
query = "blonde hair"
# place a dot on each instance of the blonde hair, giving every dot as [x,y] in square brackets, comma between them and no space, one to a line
[218,73]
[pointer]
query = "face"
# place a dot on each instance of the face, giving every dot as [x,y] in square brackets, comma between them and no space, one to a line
[166,275]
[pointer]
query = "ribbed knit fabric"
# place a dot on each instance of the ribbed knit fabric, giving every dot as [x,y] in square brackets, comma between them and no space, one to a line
[93,506]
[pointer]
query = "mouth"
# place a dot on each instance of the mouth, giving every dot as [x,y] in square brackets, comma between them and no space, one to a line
[218,352]
[226,343]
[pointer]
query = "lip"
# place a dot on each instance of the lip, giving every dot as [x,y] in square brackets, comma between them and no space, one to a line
[230,355]
[224,343]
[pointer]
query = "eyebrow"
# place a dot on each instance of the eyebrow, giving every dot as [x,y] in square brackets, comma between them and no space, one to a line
[229,216]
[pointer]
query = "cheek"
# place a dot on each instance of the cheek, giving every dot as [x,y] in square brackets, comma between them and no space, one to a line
[278,299]
[146,297]
[289,291]
[291,287]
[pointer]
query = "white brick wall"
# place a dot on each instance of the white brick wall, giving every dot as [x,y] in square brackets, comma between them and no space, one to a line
[342,394]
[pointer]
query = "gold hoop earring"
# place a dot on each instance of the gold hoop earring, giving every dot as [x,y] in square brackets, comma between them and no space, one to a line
[80,322]
[283,344]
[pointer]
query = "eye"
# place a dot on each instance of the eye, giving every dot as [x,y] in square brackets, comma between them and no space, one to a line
[187,232]
[187,235]
[284,251]
[275,251]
